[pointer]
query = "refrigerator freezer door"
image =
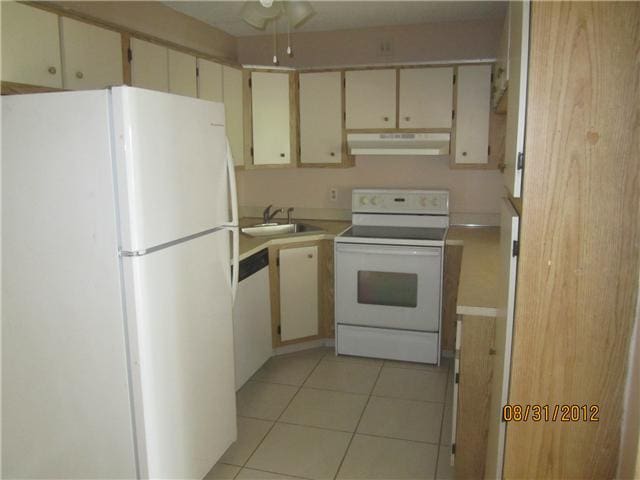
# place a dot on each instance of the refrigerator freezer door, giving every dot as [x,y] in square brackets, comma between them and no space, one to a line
[170,164]
[181,331]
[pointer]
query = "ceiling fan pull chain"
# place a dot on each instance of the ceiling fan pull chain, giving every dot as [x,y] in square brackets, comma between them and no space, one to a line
[289,49]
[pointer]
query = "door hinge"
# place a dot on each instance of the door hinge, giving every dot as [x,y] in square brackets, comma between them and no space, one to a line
[520,161]
[453,449]
[491,77]
[344,83]
[279,330]
[278,262]
[489,150]
[197,72]
[249,82]
[515,250]
[129,55]
[344,116]
[453,114]
[252,151]
[454,79]
[457,378]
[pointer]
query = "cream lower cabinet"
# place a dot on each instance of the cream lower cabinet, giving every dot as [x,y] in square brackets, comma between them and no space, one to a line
[271,119]
[321,118]
[232,93]
[426,97]
[370,97]
[149,65]
[91,56]
[299,285]
[472,109]
[30,46]
[182,74]
[209,80]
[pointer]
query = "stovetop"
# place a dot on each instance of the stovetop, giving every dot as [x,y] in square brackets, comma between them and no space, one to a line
[395,233]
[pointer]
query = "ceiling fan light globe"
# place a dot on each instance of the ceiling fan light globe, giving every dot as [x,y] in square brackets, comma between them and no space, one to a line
[299,12]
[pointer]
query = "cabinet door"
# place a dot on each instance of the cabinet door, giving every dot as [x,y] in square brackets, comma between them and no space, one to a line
[234,111]
[149,66]
[270,115]
[371,99]
[320,118]
[30,46]
[517,94]
[472,114]
[426,97]
[182,74]
[209,80]
[298,292]
[91,56]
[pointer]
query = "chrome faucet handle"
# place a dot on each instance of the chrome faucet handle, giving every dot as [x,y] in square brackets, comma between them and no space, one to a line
[289,210]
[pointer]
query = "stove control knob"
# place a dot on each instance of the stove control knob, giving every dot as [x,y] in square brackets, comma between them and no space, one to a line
[423,201]
[374,201]
[363,200]
[435,202]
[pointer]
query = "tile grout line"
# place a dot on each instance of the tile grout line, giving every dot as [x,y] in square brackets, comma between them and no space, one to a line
[279,416]
[355,430]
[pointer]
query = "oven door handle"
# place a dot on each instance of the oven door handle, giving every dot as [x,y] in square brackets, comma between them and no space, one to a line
[420,251]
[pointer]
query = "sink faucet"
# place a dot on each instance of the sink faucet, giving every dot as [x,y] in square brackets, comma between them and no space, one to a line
[267,215]
[289,216]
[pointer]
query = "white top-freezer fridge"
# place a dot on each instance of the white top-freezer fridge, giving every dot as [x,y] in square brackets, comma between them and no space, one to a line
[119,218]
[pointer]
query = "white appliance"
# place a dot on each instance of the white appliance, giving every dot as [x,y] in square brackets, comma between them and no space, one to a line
[252,317]
[389,275]
[117,345]
[399,143]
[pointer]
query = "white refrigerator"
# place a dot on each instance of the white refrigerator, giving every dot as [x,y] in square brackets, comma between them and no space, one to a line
[119,220]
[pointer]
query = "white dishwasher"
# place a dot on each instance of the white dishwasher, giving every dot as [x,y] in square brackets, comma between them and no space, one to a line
[252,317]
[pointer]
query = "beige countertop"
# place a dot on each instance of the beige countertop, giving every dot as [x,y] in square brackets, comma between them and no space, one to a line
[250,245]
[478,285]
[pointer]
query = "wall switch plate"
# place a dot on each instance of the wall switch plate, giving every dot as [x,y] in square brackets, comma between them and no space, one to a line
[385,47]
[333,194]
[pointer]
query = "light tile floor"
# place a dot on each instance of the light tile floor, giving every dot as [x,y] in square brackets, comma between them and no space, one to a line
[315,415]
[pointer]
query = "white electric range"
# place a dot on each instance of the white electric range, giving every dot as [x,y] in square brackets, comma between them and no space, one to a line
[388,279]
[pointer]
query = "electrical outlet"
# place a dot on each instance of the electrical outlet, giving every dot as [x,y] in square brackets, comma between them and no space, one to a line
[333,194]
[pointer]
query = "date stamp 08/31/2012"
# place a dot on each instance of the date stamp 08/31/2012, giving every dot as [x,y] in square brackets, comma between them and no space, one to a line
[550,413]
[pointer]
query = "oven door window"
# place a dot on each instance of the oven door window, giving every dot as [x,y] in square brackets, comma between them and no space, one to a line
[388,288]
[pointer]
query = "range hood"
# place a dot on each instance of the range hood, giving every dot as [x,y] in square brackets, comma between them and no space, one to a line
[398,143]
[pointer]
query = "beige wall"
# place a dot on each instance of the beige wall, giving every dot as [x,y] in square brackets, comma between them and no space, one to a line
[157,20]
[471,191]
[447,41]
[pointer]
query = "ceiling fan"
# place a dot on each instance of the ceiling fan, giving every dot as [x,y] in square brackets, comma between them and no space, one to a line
[258,14]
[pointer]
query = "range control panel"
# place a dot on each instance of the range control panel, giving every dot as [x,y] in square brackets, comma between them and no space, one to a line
[421,202]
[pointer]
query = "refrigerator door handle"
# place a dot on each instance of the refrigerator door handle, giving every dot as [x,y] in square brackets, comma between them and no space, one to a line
[233,192]
[236,262]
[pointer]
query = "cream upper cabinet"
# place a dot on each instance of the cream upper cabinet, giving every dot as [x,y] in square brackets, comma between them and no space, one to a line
[209,80]
[91,56]
[30,46]
[320,118]
[149,65]
[426,97]
[472,114]
[270,118]
[370,99]
[234,111]
[182,74]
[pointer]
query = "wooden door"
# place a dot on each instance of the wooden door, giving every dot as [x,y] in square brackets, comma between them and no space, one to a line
[149,65]
[182,74]
[209,80]
[298,292]
[370,99]
[91,56]
[30,46]
[426,97]
[271,118]
[234,111]
[472,114]
[320,118]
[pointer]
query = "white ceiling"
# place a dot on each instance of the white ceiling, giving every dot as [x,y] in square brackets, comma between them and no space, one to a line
[341,15]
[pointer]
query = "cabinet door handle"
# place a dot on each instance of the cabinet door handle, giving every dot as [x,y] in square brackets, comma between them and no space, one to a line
[464,154]
[386,119]
[332,154]
[282,155]
[52,70]
[310,255]
[79,75]
[407,118]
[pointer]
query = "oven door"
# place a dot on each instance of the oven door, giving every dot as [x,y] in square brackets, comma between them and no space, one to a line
[388,286]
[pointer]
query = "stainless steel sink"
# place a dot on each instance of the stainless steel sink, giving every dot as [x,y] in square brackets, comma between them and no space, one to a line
[272,229]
